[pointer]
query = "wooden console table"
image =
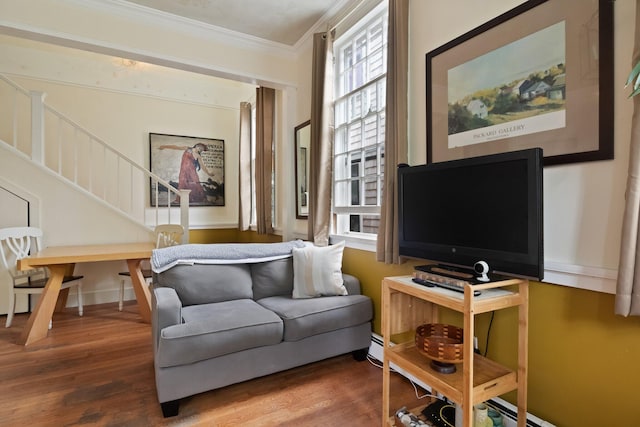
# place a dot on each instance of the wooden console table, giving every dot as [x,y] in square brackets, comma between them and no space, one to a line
[61,259]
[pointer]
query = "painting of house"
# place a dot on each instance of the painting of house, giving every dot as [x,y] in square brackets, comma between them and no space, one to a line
[533,90]
[558,89]
[478,108]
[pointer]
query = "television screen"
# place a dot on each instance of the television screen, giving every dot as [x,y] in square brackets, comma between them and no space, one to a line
[486,208]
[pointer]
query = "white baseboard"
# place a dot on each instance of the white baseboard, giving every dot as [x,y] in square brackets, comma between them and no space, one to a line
[508,410]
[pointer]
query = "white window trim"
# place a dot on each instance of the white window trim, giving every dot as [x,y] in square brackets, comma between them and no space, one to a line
[361,241]
[365,241]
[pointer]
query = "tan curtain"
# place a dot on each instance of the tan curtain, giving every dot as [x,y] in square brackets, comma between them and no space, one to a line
[395,143]
[265,111]
[244,167]
[321,156]
[628,291]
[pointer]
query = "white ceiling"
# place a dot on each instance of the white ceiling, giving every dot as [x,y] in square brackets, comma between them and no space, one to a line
[280,21]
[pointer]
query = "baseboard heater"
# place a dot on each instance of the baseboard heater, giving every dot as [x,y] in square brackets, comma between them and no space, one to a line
[509,411]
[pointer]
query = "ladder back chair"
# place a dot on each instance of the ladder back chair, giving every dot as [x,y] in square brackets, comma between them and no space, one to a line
[17,243]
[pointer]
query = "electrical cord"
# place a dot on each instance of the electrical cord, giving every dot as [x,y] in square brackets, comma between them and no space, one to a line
[378,364]
[443,418]
[486,344]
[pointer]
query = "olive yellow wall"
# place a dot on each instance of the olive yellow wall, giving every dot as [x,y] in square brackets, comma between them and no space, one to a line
[583,360]
[230,235]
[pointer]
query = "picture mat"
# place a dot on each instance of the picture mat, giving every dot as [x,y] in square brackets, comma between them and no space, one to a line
[166,164]
[581,133]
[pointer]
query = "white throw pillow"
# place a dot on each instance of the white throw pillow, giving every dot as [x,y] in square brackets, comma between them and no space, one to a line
[317,271]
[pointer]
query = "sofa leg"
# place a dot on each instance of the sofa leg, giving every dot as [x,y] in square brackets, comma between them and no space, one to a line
[360,355]
[171,408]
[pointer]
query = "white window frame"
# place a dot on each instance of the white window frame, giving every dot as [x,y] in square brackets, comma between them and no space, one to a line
[341,208]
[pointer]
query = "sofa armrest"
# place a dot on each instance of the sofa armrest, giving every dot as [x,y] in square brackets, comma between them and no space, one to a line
[166,310]
[352,284]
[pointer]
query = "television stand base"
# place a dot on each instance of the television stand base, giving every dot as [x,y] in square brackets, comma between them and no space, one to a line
[459,273]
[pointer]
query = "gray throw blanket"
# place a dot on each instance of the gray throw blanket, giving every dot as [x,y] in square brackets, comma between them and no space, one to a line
[221,253]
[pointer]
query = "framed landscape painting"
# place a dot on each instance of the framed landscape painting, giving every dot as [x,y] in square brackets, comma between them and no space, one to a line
[540,75]
[187,163]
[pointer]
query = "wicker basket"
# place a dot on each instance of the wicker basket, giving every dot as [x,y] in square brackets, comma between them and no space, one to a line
[440,342]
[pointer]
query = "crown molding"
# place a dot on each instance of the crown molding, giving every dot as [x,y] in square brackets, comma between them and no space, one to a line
[339,8]
[194,28]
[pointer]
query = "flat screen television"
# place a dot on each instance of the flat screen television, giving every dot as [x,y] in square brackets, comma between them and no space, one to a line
[486,208]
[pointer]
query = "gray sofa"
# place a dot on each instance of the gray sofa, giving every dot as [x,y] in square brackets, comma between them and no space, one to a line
[220,322]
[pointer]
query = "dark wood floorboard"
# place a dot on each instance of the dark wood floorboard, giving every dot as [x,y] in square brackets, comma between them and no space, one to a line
[97,370]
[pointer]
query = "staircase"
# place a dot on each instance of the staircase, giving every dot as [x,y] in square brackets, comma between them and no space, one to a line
[32,129]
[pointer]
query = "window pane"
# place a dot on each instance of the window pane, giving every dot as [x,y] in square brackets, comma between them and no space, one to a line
[370,130]
[341,193]
[340,113]
[371,191]
[354,223]
[375,36]
[361,47]
[376,64]
[355,166]
[347,58]
[347,81]
[359,76]
[340,167]
[370,223]
[382,93]
[340,140]
[372,98]
[355,193]
[355,106]
[355,132]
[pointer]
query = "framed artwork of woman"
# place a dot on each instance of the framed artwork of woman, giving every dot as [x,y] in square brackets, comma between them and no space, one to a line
[188,163]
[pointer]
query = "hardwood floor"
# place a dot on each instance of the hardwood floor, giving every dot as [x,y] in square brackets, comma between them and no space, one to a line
[97,370]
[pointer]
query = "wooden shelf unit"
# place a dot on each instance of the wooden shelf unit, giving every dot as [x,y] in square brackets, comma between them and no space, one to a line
[406,305]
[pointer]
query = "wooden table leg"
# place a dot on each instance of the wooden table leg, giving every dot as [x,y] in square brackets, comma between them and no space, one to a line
[38,324]
[140,288]
[62,300]
[64,293]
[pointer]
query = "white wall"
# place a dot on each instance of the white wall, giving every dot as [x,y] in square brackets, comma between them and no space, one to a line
[302,114]
[121,104]
[583,202]
[123,29]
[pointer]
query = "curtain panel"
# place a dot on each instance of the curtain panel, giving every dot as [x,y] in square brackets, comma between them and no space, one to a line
[628,288]
[244,167]
[322,130]
[395,145]
[265,111]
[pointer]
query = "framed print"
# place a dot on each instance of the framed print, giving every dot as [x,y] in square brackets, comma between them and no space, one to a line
[187,163]
[539,75]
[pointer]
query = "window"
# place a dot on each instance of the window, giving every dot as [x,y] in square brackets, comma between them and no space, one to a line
[360,89]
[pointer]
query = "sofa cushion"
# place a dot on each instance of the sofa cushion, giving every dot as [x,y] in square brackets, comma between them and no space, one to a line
[211,330]
[317,271]
[204,284]
[306,317]
[272,278]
